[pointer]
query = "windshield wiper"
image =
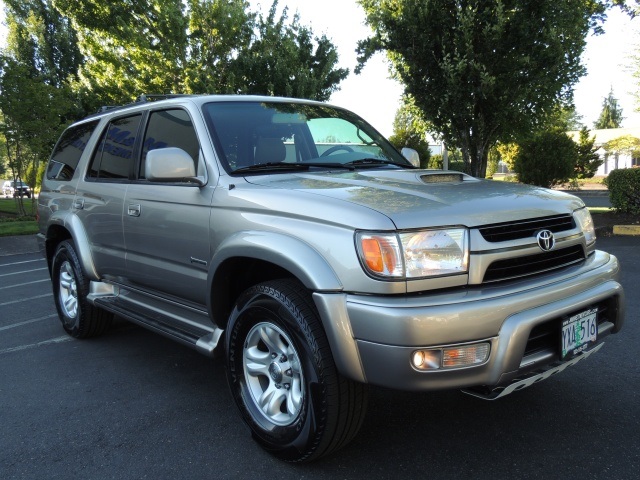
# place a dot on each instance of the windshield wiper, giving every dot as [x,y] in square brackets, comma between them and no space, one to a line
[260,167]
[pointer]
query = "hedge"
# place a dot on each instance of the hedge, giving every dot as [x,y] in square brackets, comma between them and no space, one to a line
[624,190]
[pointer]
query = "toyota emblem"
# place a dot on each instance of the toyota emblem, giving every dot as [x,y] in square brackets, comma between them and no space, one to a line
[546,240]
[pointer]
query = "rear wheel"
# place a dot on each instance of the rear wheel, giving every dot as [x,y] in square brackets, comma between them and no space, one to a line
[79,318]
[283,378]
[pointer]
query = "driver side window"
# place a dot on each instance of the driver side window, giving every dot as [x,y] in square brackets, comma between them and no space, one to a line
[170,128]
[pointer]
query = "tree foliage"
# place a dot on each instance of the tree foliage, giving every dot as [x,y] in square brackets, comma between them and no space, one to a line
[588,161]
[65,58]
[35,101]
[624,190]
[625,144]
[410,130]
[483,72]
[611,114]
[546,159]
[43,40]
[199,46]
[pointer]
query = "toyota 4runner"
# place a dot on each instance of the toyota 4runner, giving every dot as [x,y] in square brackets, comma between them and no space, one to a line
[292,239]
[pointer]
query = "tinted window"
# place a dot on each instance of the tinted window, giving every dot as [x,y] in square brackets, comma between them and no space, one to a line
[67,153]
[170,128]
[114,156]
[261,133]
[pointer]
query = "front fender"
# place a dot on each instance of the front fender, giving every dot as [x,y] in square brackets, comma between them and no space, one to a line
[289,253]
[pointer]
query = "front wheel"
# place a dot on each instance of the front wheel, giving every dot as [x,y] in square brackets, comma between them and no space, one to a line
[283,377]
[79,318]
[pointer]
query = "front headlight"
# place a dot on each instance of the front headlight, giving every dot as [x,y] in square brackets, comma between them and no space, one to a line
[418,254]
[585,222]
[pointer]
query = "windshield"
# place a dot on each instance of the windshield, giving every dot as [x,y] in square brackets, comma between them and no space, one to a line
[295,136]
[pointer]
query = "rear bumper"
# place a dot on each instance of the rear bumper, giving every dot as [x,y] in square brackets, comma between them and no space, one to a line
[384,332]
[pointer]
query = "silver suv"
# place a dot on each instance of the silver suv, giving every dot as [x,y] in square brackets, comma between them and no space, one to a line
[293,240]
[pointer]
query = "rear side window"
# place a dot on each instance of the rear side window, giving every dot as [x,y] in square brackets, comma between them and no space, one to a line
[113,159]
[67,152]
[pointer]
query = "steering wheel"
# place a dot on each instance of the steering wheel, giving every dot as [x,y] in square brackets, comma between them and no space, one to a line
[335,149]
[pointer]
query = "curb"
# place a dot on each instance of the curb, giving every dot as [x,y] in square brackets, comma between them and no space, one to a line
[626,229]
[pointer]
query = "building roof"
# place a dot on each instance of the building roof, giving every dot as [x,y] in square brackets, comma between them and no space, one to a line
[606,135]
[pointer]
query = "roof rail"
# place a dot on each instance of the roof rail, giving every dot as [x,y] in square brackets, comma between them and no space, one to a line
[144,98]
[151,97]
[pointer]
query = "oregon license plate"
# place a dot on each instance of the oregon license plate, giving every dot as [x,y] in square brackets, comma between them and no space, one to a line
[579,331]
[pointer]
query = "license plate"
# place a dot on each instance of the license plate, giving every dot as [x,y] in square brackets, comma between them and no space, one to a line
[579,331]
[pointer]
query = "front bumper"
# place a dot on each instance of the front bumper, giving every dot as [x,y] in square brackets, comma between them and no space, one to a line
[373,338]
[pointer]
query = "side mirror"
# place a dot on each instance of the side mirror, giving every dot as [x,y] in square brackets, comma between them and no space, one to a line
[411,155]
[171,165]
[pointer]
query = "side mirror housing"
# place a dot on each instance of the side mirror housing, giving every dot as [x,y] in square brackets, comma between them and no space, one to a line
[171,165]
[411,155]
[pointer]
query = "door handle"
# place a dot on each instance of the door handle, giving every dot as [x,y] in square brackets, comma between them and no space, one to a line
[133,210]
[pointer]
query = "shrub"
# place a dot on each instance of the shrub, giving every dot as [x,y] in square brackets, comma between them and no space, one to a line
[546,159]
[624,190]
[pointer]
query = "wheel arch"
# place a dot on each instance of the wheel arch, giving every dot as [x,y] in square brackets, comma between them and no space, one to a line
[71,228]
[250,258]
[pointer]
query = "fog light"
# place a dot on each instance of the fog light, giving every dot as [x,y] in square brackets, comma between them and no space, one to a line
[465,356]
[450,357]
[427,359]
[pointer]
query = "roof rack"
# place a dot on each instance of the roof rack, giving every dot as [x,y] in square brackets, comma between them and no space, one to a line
[144,98]
[153,97]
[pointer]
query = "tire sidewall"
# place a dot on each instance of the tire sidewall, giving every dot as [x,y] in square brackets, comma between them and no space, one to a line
[66,252]
[258,305]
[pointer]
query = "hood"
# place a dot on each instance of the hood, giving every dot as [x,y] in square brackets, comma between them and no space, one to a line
[424,198]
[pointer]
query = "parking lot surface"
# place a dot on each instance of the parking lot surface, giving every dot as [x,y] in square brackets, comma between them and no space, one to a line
[132,404]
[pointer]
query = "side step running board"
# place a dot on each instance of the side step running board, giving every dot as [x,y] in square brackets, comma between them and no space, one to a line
[203,341]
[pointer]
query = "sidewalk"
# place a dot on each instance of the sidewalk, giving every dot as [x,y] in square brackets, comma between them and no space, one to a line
[14,245]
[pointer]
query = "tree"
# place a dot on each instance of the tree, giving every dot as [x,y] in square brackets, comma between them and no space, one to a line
[588,161]
[35,100]
[546,159]
[482,72]
[199,46]
[410,130]
[611,114]
[30,122]
[508,153]
[43,40]
[624,145]
[286,60]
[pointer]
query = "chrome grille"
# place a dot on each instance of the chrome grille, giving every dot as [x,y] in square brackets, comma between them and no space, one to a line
[502,232]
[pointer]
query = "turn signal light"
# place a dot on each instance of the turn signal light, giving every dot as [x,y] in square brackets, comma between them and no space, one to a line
[451,357]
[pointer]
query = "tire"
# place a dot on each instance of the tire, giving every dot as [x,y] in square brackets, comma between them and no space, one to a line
[79,318]
[283,378]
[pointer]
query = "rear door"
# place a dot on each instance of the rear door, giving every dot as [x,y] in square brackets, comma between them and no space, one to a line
[166,226]
[99,200]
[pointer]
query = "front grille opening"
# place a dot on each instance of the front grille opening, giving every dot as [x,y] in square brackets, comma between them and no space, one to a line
[533,264]
[503,232]
[546,336]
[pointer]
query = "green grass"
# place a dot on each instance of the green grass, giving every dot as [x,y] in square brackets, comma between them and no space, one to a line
[28,227]
[8,205]
[10,224]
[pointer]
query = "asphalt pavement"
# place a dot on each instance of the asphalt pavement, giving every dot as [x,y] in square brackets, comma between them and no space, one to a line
[132,405]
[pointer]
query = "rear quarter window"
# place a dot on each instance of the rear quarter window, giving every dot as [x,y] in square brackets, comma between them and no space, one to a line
[67,152]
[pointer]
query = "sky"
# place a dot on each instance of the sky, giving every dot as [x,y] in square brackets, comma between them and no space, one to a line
[376,97]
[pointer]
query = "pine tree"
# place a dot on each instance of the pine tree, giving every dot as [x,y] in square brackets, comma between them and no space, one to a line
[611,114]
